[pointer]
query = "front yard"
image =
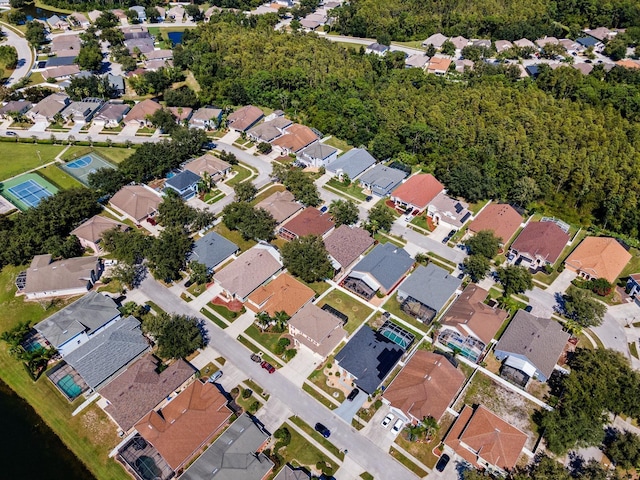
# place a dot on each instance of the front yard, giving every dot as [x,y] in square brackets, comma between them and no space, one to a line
[351,190]
[422,449]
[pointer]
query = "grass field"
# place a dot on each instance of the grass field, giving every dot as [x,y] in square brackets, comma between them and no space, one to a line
[213,318]
[17,158]
[354,309]
[317,437]
[61,179]
[301,452]
[393,306]
[241,176]
[353,189]
[234,236]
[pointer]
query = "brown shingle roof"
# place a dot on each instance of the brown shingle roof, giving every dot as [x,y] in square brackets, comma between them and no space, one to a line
[181,113]
[426,386]
[244,117]
[319,330]
[141,388]
[599,257]
[141,110]
[285,293]
[483,434]
[207,163]
[70,273]
[472,317]
[93,228]
[502,219]
[309,222]
[418,190]
[296,138]
[136,201]
[346,244]
[281,205]
[186,423]
[541,239]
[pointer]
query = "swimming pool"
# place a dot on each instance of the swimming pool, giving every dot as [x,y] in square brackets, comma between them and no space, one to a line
[69,387]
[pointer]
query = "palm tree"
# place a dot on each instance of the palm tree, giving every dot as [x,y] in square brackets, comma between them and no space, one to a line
[281,318]
[430,426]
[415,431]
[264,320]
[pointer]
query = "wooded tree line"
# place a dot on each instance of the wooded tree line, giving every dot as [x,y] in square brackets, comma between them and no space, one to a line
[487,137]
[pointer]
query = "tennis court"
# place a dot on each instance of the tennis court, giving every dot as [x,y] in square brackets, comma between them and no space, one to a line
[82,167]
[27,191]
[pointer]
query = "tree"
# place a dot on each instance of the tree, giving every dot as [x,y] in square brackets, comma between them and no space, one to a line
[92,86]
[174,212]
[264,148]
[616,49]
[625,450]
[194,12]
[89,57]
[583,309]
[380,218]
[107,19]
[448,48]
[302,187]
[177,336]
[263,320]
[514,279]
[199,273]
[164,120]
[601,287]
[484,243]
[307,258]
[525,191]
[344,212]
[36,33]
[245,191]
[181,97]
[107,181]
[130,247]
[251,222]
[168,254]
[476,266]
[129,274]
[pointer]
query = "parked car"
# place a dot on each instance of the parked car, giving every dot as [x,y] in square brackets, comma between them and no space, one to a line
[324,209]
[353,394]
[11,134]
[442,463]
[369,198]
[256,358]
[268,367]
[324,431]
[215,376]
[397,426]
[387,420]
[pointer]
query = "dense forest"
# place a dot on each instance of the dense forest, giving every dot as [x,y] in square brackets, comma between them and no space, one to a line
[500,19]
[568,145]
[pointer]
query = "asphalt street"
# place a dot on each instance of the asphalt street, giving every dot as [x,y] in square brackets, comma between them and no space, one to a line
[25,55]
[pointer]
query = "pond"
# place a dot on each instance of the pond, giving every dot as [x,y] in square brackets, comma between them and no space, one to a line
[175,37]
[31,11]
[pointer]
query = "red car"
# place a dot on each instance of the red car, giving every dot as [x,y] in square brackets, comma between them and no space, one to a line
[268,367]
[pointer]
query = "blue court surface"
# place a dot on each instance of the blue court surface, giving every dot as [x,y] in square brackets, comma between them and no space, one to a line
[30,192]
[84,166]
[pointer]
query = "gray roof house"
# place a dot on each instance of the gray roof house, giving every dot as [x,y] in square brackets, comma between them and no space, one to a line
[234,455]
[184,184]
[206,117]
[426,291]
[317,155]
[15,106]
[382,269]
[382,180]
[108,352]
[72,326]
[46,108]
[212,250]
[377,49]
[352,163]
[532,345]
[111,114]
[368,358]
[117,83]
[81,112]
[142,16]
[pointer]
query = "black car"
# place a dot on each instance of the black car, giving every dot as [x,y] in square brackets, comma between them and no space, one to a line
[324,431]
[353,394]
[442,463]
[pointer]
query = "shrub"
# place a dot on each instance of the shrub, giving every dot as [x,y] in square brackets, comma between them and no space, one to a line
[253,408]
[601,286]
[246,393]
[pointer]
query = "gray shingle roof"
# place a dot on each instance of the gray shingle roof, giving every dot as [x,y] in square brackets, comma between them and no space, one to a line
[87,314]
[319,150]
[182,180]
[386,263]
[212,249]
[353,163]
[430,285]
[383,179]
[108,352]
[369,357]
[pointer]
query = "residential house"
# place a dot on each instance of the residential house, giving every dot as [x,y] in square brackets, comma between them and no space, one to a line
[70,276]
[57,23]
[237,454]
[66,43]
[533,70]
[142,45]
[270,130]
[539,244]
[367,359]
[377,49]
[116,82]
[427,291]
[416,194]
[64,58]
[316,330]
[598,257]
[111,114]
[153,65]
[46,109]
[140,113]
[601,33]
[587,42]
[485,440]
[381,180]
[184,184]
[62,72]
[81,112]
[295,139]
[140,12]
[310,24]
[283,294]
[94,15]
[438,65]
[481,43]
[437,40]
[244,118]
[633,285]
[347,244]
[308,222]
[216,168]
[186,424]
[500,218]
[161,54]
[74,325]
[141,387]
[503,45]
[459,42]
[253,268]
[90,232]
[79,20]
[469,325]
[289,473]
[206,118]
[524,43]
[463,65]
[281,205]
[14,107]
[352,163]
[381,269]
[570,46]
[122,16]
[136,202]
[542,42]
[418,60]
[212,250]
[107,353]
[425,387]
[584,68]
[448,211]
[532,345]
[628,63]
[176,13]
[317,155]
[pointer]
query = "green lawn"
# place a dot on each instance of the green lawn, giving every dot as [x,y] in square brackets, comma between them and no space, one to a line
[213,318]
[634,264]
[317,437]
[407,463]
[267,340]
[255,349]
[114,154]
[301,452]
[241,176]
[17,158]
[319,397]
[235,237]
[382,238]
[318,287]
[268,192]
[421,222]
[227,314]
[353,189]
[58,177]
[354,309]
[339,144]
[393,306]
[319,379]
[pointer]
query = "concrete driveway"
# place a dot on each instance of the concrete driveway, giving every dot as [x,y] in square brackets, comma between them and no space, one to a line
[562,282]
[300,366]
[348,409]
[129,130]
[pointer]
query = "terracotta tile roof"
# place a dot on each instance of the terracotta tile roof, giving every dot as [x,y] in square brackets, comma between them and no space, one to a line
[318,329]
[346,244]
[141,388]
[599,257]
[418,190]
[285,293]
[438,64]
[470,316]
[544,240]
[186,423]
[500,218]
[93,228]
[281,205]
[627,63]
[296,137]
[483,434]
[309,222]
[137,201]
[426,386]
[244,118]
[141,110]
